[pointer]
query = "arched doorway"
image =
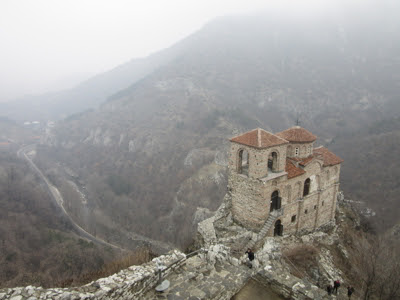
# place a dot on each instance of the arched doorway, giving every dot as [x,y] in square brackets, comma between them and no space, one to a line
[275,201]
[278,229]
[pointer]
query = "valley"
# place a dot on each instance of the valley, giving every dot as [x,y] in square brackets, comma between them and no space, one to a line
[139,154]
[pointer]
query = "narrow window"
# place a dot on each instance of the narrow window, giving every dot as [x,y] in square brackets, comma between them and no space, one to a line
[273,161]
[306,211]
[243,162]
[293,218]
[306,189]
[315,207]
[322,203]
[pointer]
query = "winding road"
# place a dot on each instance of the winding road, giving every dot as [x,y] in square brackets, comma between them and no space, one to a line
[58,200]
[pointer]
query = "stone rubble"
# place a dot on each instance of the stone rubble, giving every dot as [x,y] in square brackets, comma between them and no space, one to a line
[211,274]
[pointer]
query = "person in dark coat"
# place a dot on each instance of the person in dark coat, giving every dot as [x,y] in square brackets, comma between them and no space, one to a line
[350,291]
[336,285]
[250,255]
[329,289]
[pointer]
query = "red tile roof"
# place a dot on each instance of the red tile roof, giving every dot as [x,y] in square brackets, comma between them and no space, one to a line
[259,138]
[307,160]
[297,134]
[292,170]
[328,157]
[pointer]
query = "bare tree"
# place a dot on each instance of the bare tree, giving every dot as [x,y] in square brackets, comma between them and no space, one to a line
[378,268]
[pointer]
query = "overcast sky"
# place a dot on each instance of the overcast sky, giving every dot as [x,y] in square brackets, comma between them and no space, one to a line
[53,44]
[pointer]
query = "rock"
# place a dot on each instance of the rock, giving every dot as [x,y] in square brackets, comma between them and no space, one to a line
[201,214]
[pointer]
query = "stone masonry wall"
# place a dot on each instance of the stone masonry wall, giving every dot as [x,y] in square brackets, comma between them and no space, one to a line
[247,202]
[130,283]
[251,197]
[305,149]
[258,159]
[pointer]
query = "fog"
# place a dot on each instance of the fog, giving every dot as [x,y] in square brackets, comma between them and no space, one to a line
[50,45]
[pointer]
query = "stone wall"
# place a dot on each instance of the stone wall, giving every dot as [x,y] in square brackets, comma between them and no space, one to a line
[248,206]
[258,158]
[251,196]
[130,283]
[305,149]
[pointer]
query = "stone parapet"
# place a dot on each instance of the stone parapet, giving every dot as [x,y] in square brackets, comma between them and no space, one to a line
[130,283]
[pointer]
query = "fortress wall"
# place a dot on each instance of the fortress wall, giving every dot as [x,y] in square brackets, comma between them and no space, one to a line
[248,205]
[130,283]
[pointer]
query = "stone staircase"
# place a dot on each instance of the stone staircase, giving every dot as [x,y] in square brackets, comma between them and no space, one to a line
[275,214]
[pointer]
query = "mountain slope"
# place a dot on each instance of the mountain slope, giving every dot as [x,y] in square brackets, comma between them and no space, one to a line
[157,150]
[88,94]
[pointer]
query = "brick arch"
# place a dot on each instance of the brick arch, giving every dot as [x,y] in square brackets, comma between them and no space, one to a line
[307,187]
[275,202]
[273,160]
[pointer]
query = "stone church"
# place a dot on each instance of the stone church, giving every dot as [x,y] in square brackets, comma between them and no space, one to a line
[282,179]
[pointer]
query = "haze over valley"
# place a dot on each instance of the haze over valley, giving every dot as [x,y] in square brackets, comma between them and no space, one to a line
[139,153]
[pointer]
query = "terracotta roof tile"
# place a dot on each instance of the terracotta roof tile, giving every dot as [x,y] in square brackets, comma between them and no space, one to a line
[328,157]
[259,138]
[292,170]
[307,160]
[297,134]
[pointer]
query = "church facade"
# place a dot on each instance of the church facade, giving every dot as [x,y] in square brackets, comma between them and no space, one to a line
[282,175]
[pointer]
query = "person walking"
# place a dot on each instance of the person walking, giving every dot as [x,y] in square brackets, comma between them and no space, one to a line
[336,285]
[250,255]
[350,291]
[329,289]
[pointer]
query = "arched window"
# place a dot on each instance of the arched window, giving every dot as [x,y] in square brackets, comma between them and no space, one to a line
[273,162]
[243,162]
[275,201]
[306,189]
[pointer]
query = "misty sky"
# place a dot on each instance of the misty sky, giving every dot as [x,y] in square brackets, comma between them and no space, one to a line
[53,44]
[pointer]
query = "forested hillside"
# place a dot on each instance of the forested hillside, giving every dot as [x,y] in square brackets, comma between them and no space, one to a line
[372,170]
[37,244]
[157,150]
